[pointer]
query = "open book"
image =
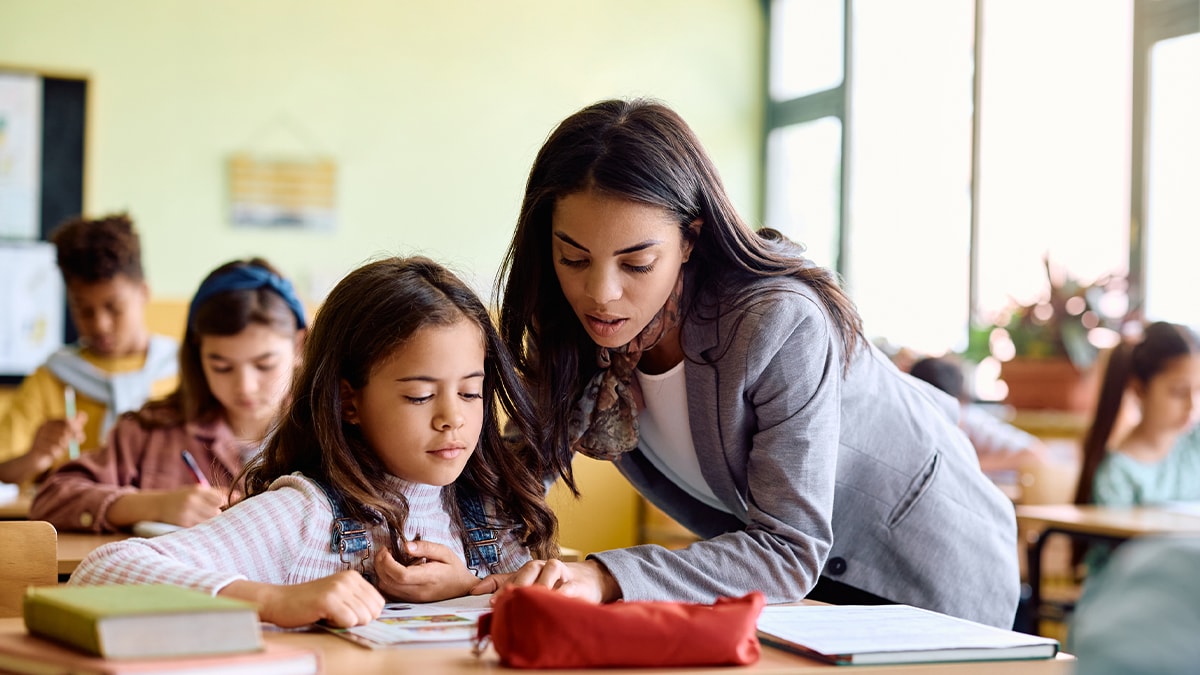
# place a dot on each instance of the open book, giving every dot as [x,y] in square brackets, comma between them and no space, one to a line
[859,634]
[403,623]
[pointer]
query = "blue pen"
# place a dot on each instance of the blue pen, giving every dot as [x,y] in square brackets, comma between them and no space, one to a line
[191,462]
[69,399]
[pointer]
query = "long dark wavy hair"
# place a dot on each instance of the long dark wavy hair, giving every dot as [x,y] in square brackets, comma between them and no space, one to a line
[369,315]
[1129,361]
[642,151]
[224,314]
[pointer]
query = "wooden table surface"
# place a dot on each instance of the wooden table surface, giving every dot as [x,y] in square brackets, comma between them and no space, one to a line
[341,656]
[1126,522]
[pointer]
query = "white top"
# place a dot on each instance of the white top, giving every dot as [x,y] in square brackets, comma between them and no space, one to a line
[665,433]
[282,536]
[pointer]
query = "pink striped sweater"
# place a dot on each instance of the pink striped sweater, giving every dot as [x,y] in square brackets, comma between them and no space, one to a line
[281,536]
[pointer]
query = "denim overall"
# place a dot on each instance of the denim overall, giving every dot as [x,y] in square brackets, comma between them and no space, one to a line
[352,542]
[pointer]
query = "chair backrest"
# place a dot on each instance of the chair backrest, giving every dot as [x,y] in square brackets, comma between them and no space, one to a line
[28,557]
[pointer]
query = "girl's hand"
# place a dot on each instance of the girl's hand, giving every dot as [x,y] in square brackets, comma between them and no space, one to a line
[341,600]
[587,579]
[191,505]
[443,574]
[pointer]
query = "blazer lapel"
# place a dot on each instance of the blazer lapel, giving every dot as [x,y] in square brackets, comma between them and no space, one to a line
[700,341]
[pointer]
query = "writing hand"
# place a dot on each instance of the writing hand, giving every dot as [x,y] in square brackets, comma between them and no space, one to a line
[189,505]
[443,574]
[341,600]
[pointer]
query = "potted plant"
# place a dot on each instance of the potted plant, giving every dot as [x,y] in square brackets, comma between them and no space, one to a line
[1048,348]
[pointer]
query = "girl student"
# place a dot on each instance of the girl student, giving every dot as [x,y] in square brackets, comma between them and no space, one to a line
[728,379]
[1158,460]
[386,477]
[174,460]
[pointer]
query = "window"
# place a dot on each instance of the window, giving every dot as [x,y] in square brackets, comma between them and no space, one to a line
[964,142]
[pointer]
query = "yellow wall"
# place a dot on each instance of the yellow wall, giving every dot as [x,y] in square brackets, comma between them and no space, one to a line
[433,111]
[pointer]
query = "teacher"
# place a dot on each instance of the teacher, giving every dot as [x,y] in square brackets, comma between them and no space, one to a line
[729,380]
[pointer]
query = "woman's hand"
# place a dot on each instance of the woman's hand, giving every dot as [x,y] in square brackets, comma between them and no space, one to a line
[341,600]
[587,579]
[442,575]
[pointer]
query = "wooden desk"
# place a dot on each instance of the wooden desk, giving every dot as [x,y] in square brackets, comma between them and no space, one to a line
[341,656]
[73,547]
[17,509]
[1093,524]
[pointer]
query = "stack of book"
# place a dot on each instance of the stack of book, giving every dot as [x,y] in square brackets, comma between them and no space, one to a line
[144,629]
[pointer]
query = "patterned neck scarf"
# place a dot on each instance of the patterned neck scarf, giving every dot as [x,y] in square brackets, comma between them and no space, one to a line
[604,424]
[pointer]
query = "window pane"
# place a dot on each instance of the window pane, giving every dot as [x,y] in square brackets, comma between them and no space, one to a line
[1172,181]
[910,170]
[1054,157]
[803,185]
[806,47]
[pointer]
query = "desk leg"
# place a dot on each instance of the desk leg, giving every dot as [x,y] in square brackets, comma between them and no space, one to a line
[1034,564]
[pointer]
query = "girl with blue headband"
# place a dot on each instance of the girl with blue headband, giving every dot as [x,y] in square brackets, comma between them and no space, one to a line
[174,460]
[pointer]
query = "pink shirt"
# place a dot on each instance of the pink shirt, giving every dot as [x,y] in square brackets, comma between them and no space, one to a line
[281,536]
[78,495]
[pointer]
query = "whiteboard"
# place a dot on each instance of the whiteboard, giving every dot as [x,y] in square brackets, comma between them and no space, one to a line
[32,298]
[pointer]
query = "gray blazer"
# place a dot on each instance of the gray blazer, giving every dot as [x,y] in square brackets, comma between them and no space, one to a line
[865,477]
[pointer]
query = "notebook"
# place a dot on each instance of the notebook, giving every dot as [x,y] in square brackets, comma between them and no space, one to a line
[454,620]
[879,634]
[25,654]
[135,621]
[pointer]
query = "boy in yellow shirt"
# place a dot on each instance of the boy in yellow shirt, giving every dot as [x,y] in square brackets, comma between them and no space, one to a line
[116,365]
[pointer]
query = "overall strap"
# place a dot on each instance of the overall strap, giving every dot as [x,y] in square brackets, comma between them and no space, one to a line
[350,540]
[484,546]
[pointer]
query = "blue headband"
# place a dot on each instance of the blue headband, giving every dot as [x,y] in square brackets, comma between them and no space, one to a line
[247,278]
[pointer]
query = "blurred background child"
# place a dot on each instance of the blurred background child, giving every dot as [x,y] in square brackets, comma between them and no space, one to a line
[244,332]
[1000,445]
[114,367]
[1158,460]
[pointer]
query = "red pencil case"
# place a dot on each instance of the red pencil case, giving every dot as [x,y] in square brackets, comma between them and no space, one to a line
[535,627]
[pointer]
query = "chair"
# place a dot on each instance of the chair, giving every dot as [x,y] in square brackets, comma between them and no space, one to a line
[28,557]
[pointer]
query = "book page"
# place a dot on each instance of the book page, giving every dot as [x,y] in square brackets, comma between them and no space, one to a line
[857,629]
[401,623]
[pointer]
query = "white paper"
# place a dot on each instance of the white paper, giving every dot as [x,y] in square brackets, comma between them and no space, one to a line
[32,302]
[857,629]
[20,155]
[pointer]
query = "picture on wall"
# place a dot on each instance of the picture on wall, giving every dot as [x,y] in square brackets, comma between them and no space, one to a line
[282,193]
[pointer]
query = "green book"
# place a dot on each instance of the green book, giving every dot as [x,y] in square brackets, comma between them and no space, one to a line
[143,621]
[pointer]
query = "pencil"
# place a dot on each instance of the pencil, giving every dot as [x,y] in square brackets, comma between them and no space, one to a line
[69,399]
[191,462]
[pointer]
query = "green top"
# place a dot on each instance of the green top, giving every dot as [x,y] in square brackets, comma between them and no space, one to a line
[1122,480]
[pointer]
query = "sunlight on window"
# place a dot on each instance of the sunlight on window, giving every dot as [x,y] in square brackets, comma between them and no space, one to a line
[804,172]
[909,218]
[806,47]
[1054,156]
[1173,181]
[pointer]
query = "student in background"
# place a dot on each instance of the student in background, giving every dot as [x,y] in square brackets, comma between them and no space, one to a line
[1141,615]
[244,332]
[727,378]
[1158,460]
[392,427]
[1000,445]
[116,365]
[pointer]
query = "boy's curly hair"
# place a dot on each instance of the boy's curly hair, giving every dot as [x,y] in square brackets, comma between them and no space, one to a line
[94,250]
